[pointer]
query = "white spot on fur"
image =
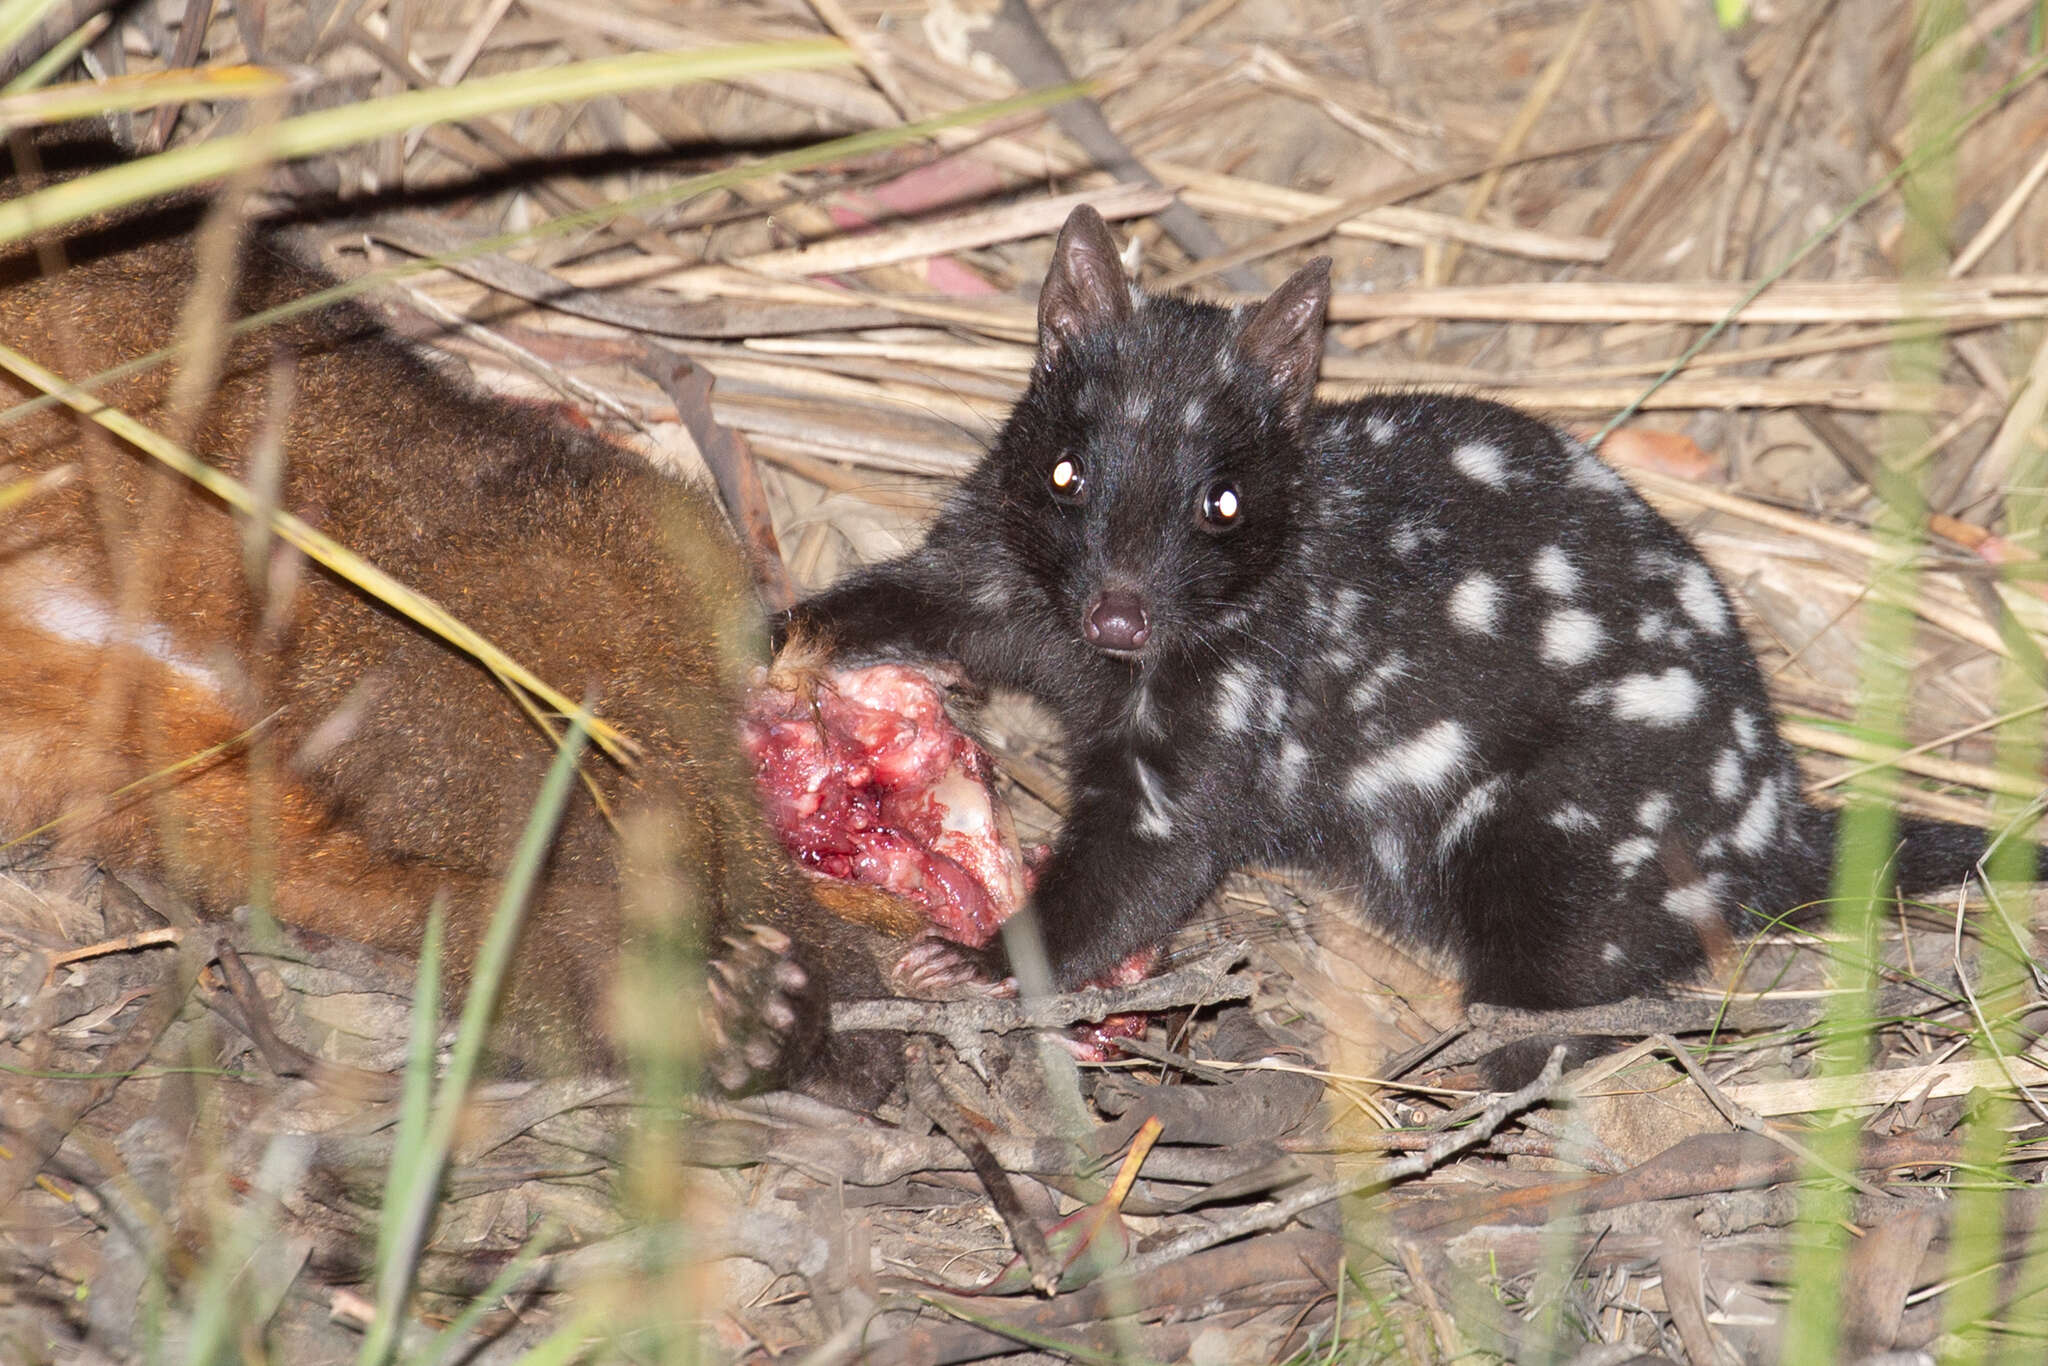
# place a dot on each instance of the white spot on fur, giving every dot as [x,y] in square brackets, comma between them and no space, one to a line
[1589,471]
[1595,695]
[1724,780]
[1137,407]
[1475,806]
[1613,954]
[1374,685]
[1475,603]
[1290,765]
[1573,818]
[1700,596]
[1339,659]
[1654,811]
[1425,764]
[1390,852]
[1760,819]
[1652,626]
[1554,571]
[1344,607]
[1155,812]
[1144,713]
[1191,415]
[1746,730]
[1661,700]
[1406,538]
[1570,637]
[1482,461]
[1379,429]
[1235,693]
[1699,902]
[1632,853]
[70,615]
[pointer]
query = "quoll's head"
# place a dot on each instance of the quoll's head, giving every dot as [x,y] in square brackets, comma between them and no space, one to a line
[1151,473]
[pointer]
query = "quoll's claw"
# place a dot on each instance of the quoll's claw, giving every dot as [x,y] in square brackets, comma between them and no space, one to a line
[934,966]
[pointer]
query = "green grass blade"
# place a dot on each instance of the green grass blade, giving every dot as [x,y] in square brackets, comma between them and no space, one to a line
[44,69]
[415,1101]
[30,107]
[216,1312]
[18,19]
[449,1340]
[412,1214]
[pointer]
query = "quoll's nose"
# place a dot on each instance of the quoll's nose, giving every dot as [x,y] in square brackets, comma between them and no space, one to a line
[1116,621]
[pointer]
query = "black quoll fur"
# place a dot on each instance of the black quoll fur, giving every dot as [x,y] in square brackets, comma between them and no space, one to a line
[1425,646]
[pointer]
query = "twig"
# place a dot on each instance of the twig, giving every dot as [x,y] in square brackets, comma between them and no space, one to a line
[1448,1144]
[1751,1122]
[922,1081]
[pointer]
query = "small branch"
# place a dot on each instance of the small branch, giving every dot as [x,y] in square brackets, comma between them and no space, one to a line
[922,1081]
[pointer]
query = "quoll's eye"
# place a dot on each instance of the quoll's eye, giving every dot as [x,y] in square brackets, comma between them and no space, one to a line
[1220,506]
[1069,481]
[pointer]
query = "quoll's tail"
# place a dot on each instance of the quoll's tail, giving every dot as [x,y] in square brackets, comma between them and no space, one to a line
[1927,855]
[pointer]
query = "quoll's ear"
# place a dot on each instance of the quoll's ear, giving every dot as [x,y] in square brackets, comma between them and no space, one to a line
[1284,336]
[1085,290]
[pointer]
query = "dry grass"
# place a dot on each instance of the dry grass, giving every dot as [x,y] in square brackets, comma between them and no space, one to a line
[1545,202]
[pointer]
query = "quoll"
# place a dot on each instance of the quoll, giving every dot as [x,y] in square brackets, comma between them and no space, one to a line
[1428,647]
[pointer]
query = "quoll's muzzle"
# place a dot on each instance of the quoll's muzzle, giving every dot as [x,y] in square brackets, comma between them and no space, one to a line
[1116,622]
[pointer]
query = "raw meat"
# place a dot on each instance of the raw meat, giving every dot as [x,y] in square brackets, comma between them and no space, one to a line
[866,778]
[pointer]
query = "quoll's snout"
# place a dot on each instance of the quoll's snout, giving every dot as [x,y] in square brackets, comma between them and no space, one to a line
[1116,622]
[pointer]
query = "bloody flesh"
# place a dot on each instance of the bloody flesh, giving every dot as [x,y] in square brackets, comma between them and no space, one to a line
[866,778]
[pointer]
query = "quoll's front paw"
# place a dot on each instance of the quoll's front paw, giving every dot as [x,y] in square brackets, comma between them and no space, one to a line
[939,967]
[756,991]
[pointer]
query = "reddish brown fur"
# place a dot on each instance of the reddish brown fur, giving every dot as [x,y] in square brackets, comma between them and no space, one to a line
[604,577]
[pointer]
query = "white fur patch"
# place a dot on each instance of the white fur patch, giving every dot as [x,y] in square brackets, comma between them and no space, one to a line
[1652,626]
[1654,811]
[1662,700]
[1746,730]
[1475,604]
[1701,598]
[1289,765]
[1191,415]
[1589,471]
[1344,607]
[1144,712]
[1390,852]
[1613,953]
[1339,660]
[1760,819]
[1570,637]
[1699,902]
[1406,538]
[1374,685]
[1475,806]
[1155,812]
[1483,461]
[1379,429]
[1236,692]
[1632,853]
[78,617]
[1424,764]
[1724,780]
[1137,407]
[1554,571]
[1573,818]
